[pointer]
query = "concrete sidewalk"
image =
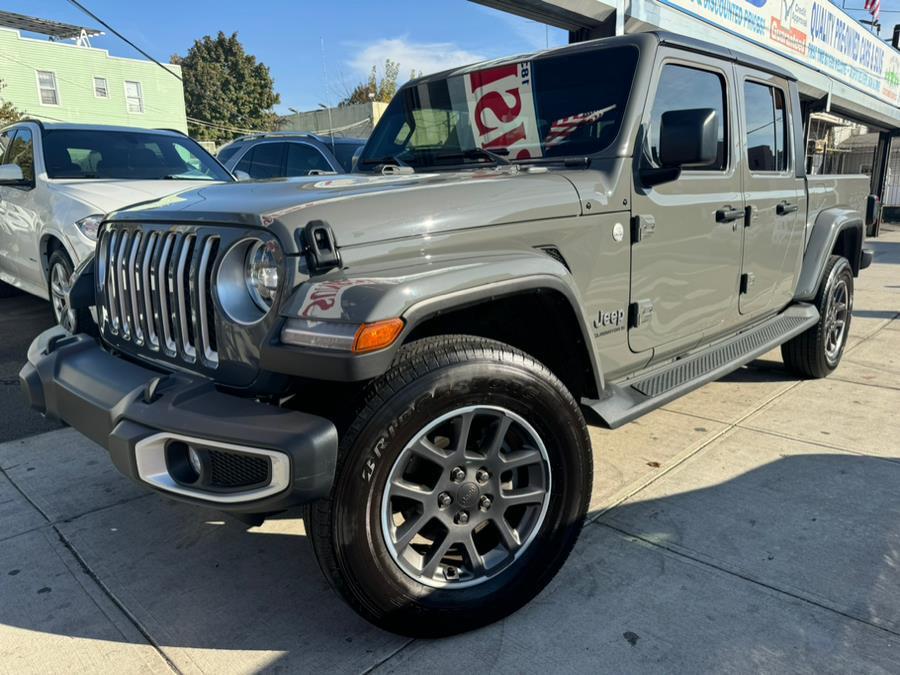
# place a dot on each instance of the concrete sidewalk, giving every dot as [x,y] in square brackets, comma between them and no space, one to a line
[752,525]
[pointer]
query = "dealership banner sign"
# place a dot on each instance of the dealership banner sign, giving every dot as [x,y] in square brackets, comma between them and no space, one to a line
[814,32]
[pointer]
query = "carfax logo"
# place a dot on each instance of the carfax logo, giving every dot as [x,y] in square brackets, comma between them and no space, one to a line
[786,30]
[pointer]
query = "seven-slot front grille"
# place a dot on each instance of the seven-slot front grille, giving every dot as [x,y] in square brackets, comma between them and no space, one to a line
[156,288]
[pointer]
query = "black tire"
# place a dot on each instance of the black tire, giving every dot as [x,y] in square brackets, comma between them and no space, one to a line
[815,353]
[429,378]
[72,320]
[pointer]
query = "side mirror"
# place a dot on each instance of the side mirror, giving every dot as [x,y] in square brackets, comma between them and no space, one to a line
[688,137]
[241,175]
[11,174]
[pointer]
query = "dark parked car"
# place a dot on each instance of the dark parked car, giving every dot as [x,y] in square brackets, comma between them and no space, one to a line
[289,153]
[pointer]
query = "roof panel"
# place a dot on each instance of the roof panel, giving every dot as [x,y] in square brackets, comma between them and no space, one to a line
[55,29]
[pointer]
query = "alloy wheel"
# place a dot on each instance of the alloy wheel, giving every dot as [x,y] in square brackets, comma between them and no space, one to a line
[466,497]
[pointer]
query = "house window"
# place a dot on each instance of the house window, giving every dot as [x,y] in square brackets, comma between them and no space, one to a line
[101,89]
[47,88]
[134,97]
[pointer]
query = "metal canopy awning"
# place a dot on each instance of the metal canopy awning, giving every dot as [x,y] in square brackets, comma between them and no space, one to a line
[596,18]
[53,29]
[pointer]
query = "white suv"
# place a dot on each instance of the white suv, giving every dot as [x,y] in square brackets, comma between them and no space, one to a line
[58,180]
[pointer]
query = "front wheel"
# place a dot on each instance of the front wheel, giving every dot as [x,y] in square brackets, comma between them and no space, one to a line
[59,281]
[461,489]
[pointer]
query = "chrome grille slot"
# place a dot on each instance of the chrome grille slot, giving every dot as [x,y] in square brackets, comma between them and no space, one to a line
[122,285]
[157,291]
[148,316]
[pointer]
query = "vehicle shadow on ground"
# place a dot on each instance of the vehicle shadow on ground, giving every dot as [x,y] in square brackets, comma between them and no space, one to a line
[820,526]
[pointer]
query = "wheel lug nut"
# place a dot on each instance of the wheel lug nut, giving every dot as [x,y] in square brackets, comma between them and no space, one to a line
[444,500]
[451,573]
[485,502]
[482,476]
[458,474]
[462,518]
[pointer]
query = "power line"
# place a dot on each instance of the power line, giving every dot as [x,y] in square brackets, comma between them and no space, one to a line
[193,120]
[122,37]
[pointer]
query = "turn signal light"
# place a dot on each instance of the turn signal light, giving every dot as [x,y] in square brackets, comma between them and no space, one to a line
[378,335]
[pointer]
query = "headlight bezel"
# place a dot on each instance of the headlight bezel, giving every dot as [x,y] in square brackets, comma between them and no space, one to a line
[233,286]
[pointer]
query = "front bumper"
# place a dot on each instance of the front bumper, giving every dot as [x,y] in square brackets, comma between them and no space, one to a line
[134,412]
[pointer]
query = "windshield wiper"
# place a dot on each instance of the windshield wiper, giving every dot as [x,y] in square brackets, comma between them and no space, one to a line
[175,176]
[387,159]
[477,153]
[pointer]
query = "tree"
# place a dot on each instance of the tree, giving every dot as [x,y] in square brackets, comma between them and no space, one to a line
[372,89]
[226,86]
[8,112]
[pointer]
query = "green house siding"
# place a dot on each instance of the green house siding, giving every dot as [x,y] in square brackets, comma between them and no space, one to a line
[75,69]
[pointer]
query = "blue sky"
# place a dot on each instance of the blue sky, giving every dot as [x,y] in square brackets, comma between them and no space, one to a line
[287,35]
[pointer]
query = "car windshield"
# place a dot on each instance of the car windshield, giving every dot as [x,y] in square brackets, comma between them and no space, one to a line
[127,155]
[549,108]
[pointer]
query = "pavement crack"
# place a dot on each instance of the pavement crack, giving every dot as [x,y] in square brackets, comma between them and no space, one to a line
[387,658]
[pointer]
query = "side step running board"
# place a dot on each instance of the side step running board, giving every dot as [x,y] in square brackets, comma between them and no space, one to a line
[627,400]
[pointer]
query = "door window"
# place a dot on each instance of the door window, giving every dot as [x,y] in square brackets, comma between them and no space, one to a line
[21,153]
[684,88]
[302,158]
[767,148]
[263,161]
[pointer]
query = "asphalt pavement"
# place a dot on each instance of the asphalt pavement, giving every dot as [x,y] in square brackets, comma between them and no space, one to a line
[753,525]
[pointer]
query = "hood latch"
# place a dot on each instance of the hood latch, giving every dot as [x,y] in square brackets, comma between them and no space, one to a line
[319,247]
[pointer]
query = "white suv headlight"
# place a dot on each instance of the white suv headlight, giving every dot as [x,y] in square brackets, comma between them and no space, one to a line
[89,226]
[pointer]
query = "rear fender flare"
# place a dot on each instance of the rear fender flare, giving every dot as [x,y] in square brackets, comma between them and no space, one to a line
[829,226]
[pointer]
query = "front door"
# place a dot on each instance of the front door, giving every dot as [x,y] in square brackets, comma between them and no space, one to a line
[776,197]
[686,251]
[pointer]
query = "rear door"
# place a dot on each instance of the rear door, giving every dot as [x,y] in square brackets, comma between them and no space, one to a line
[264,160]
[774,195]
[303,158]
[686,251]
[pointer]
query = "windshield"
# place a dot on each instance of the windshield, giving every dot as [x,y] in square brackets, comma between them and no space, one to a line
[551,107]
[127,155]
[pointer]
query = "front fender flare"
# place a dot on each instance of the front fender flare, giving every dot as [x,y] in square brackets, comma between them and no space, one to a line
[416,293]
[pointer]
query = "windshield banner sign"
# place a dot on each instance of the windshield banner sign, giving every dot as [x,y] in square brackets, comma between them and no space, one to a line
[501,110]
[814,32]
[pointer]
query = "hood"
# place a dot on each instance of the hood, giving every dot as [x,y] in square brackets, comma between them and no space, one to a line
[107,195]
[362,208]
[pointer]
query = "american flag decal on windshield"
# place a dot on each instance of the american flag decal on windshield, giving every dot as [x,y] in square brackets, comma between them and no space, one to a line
[561,129]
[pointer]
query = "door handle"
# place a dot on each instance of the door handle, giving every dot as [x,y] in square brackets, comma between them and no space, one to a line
[727,214]
[785,208]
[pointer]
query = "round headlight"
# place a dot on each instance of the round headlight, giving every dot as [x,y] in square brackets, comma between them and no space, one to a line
[247,280]
[261,272]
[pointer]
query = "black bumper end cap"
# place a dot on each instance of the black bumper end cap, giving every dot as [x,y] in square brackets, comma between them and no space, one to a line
[865,258]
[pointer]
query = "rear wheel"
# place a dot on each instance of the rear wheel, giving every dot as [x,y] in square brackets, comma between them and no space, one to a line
[461,489]
[817,351]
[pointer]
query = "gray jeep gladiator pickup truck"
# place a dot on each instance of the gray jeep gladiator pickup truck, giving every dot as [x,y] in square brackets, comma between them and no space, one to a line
[410,352]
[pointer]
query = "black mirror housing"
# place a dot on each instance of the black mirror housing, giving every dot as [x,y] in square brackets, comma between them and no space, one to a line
[688,138]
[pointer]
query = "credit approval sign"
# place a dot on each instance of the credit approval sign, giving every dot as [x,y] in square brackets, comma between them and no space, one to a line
[813,32]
